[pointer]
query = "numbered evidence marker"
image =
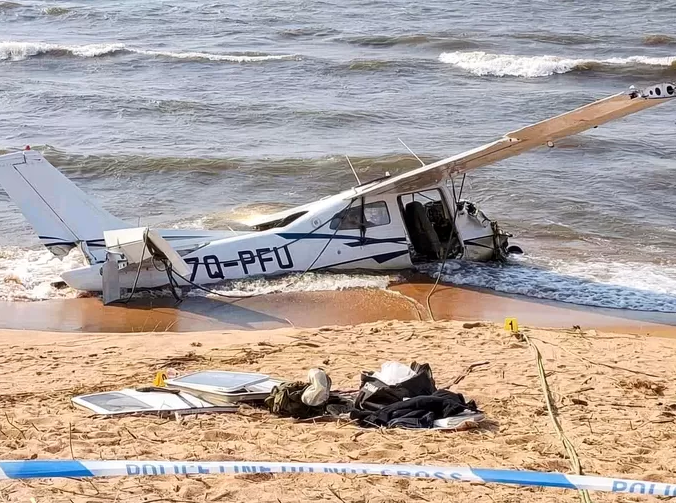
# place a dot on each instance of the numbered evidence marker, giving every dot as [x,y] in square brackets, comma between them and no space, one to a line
[511,324]
[160,377]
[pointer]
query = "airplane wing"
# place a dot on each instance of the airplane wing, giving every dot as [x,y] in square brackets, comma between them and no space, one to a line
[521,140]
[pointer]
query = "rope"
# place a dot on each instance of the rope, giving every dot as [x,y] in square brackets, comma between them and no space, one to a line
[433,289]
[570,448]
[445,251]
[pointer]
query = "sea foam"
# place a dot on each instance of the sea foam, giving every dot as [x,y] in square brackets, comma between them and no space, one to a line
[28,275]
[17,51]
[501,65]
[632,286]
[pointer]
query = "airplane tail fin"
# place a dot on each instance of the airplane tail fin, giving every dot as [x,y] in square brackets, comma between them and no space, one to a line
[62,215]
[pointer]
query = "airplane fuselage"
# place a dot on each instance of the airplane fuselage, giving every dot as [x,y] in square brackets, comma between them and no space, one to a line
[332,234]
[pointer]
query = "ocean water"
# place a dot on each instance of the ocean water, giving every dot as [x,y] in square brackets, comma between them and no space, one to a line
[193,113]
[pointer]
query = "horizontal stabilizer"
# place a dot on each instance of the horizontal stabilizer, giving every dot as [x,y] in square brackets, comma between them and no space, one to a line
[141,243]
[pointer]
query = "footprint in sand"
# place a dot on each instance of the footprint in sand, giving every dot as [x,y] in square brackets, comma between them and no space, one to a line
[380,455]
[217,436]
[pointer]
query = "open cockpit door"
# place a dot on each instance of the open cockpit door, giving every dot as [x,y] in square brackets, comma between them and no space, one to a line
[429,221]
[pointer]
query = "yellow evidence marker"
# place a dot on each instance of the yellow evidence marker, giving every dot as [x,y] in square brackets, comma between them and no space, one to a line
[511,324]
[160,377]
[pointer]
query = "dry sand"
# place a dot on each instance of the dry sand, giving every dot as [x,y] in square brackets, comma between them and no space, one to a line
[621,421]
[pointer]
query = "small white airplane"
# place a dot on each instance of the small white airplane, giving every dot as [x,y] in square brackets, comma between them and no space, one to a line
[391,223]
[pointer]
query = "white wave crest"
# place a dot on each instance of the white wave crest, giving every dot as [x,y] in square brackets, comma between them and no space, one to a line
[501,65]
[27,275]
[17,51]
[235,58]
[309,282]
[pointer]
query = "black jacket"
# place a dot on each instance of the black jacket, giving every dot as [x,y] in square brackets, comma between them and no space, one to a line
[418,412]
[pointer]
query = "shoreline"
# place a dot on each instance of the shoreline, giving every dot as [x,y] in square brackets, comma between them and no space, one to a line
[406,301]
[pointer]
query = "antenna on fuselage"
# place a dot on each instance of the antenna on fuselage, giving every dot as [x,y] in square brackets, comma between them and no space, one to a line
[411,151]
[354,172]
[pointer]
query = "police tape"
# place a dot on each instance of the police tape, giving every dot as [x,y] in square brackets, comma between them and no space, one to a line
[37,469]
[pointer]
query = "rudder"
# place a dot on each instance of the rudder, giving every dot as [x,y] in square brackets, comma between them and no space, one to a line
[62,215]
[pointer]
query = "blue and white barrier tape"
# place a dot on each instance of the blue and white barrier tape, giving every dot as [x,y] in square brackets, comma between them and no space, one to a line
[66,468]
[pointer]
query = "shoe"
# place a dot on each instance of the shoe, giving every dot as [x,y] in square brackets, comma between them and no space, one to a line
[317,393]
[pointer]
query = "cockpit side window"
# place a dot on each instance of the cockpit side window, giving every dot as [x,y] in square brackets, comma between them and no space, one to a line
[374,215]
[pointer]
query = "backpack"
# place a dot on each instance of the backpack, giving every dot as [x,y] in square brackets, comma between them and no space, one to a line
[374,394]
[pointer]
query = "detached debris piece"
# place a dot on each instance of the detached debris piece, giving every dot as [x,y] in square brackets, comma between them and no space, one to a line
[421,412]
[217,381]
[378,390]
[224,388]
[286,400]
[146,401]
[200,392]
[319,390]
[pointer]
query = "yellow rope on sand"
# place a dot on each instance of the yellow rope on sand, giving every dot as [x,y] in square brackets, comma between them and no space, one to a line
[432,290]
[570,448]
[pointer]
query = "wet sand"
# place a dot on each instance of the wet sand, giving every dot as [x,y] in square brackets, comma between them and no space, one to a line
[463,304]
[305,309]
[406,301]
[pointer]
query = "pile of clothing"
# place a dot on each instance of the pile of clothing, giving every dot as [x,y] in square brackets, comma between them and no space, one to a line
[394,396]
[304,400]
[407,397]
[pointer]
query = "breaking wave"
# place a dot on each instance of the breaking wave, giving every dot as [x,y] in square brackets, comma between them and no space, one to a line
[27,275]
[631,286]
[31,275]
[659,40]
[235,58]
[440,41]
[17,51]
[502,65]
[112,164]
[6,6]
[56,11]
[309,282]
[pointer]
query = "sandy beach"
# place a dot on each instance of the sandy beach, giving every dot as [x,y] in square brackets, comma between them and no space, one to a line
[390,137]
[614,395]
